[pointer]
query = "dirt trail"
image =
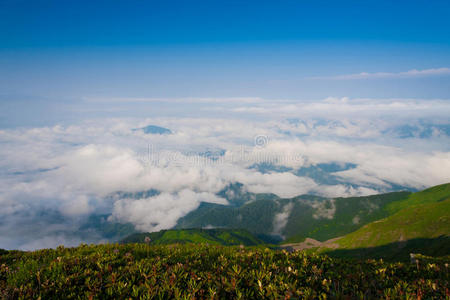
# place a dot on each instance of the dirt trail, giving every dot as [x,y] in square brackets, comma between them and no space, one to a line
[311,243]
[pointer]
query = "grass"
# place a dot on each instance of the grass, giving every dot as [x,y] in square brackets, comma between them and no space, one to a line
[433,194]
[419,221]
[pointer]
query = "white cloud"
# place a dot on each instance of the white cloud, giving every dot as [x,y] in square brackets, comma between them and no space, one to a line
[51,241]
[280,219]
[76,206]
[342,108]
[324,209]
[162,211]
[379,75]
[282,184]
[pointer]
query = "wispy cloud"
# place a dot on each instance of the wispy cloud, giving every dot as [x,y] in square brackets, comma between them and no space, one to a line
[380,75]
[173,100]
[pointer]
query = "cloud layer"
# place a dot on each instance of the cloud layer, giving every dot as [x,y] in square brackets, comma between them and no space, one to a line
[53,178]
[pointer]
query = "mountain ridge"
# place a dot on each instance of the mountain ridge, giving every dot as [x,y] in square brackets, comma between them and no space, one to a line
[390,225]
[214,236]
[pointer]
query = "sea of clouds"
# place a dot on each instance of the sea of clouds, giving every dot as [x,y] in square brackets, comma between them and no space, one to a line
[52,178]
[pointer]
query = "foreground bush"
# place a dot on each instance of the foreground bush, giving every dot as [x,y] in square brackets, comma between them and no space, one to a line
[201,271]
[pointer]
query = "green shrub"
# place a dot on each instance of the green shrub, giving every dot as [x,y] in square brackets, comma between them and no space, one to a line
[213,272]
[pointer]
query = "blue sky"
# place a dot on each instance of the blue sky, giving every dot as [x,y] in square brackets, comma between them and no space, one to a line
[73,49]
[139,23]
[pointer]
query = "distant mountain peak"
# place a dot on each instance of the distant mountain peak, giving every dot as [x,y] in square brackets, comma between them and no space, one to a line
[153,129]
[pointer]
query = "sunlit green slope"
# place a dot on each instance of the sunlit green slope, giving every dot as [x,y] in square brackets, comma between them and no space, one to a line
[211,236]
[421,223]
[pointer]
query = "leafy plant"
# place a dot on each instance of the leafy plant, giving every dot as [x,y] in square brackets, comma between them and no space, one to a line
[211,271]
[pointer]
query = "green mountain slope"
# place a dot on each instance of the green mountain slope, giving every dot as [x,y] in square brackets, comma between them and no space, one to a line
[220,236]
[433,194]
[256,217]
[421,224]
[293,219]
[335,217]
